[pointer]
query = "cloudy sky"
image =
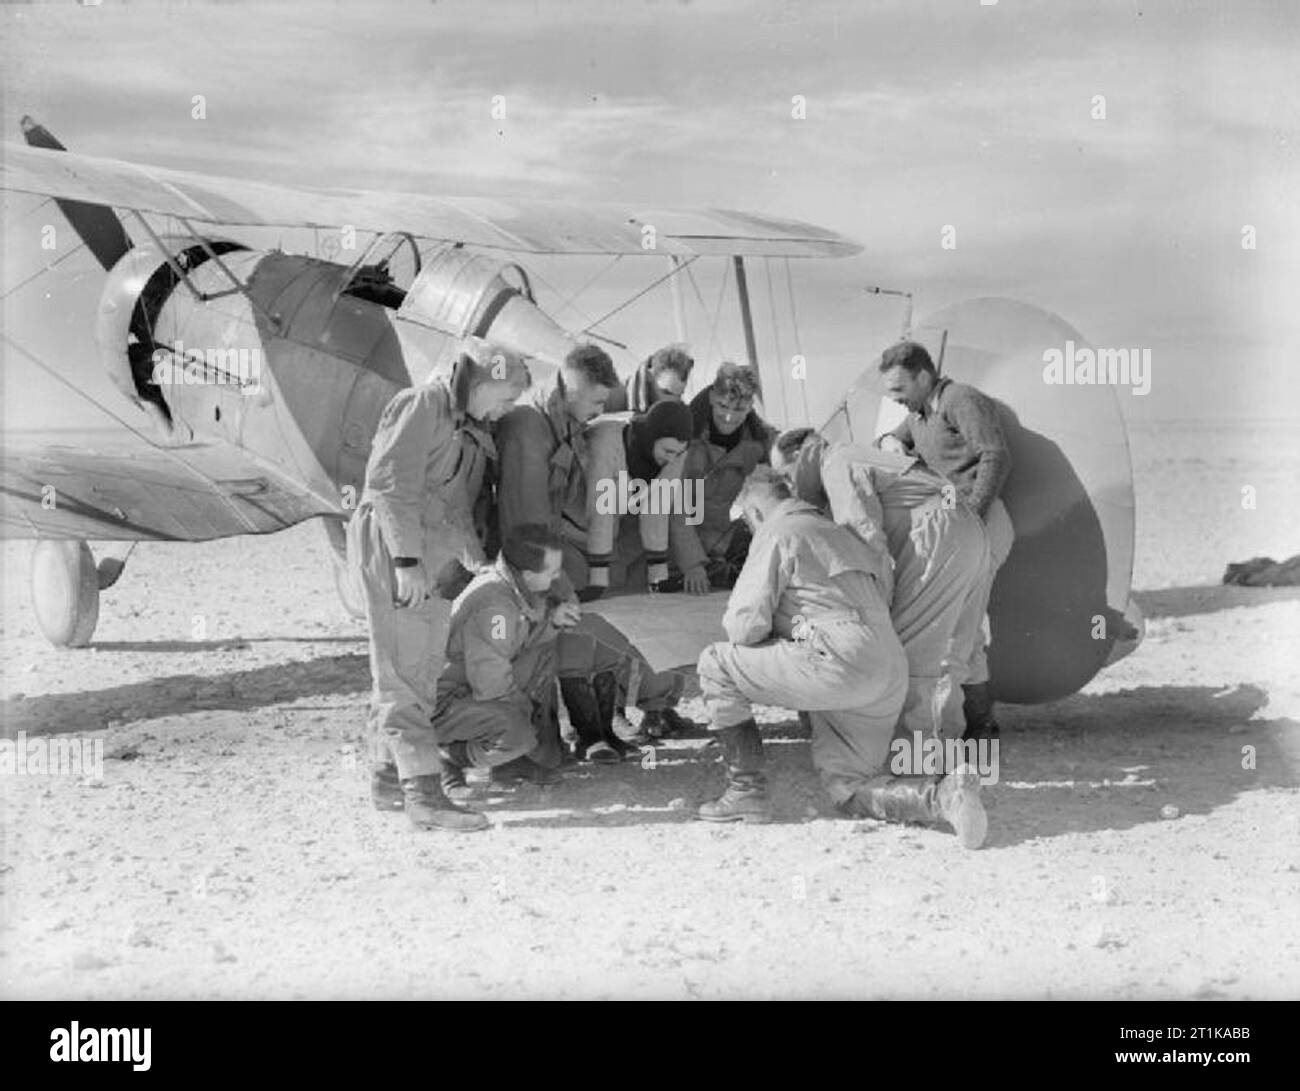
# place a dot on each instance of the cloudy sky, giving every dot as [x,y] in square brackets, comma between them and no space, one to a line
[919,115]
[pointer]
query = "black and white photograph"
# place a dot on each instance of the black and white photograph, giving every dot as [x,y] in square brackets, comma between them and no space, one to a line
[651,500]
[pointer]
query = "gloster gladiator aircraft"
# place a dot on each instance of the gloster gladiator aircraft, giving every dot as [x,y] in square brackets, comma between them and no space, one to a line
[153,261]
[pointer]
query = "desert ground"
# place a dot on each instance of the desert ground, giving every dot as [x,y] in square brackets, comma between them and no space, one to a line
[1144,841]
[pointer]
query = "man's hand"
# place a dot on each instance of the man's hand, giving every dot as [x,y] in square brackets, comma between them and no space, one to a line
[413,585]
[696,580]
[892,443]
[566,615]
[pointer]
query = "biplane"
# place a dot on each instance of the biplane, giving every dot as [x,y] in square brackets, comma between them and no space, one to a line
[244,382]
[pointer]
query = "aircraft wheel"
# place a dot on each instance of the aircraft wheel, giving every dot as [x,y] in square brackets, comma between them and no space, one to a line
[65,592]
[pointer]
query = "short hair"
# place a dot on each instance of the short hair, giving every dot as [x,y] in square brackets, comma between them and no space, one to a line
[593,363]
[735,381]
[525,547]
[764,482]
[791,441]
[911,356]
[672,358]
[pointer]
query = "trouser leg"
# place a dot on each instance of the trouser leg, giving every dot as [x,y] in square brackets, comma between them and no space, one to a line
[1001,537]
[937,577]
[494,732]
[407,646]
[850,747]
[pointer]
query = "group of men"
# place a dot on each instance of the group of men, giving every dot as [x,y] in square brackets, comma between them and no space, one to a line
[858,580]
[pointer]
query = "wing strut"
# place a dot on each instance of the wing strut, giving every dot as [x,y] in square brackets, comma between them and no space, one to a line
[747,319]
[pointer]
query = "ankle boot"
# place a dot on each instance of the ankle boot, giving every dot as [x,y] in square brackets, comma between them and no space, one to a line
[584,707]
[385,788]
[977,707]
[428,807]
[745,799]
[455,760]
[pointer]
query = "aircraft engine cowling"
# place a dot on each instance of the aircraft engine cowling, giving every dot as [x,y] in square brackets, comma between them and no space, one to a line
[461,293]
[136,289]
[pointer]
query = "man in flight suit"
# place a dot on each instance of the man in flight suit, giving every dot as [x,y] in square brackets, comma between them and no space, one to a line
[809,630]
[412,531]
[956,430]
[931,547]
[499,678]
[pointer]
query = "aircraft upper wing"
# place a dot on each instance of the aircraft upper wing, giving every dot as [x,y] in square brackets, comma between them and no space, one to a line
[102,489]
[523,226]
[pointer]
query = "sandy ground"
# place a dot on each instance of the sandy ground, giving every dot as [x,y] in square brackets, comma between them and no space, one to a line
[230,849]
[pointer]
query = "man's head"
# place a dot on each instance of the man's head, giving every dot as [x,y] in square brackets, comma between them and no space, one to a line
[488,379]
[909,374]
[731,397]
[670,369]
[665,430]
[785,451]
[759,496]
[533,551]
[589,376]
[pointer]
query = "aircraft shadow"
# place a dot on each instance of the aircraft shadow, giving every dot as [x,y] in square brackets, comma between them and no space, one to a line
[1083,764]
[174,695]
[215,645]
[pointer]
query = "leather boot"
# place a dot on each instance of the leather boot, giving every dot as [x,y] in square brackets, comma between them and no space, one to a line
[584,706]
[955,799]
[428,807]
[385,788]
[455,760]
[745,799]
[977,707]
[605,685]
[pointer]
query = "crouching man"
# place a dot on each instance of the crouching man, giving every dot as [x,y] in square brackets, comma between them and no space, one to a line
[499,679]
[931,548]
[809,629]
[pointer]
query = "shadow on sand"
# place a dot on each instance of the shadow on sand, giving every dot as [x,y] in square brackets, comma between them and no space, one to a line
[1078,766]
[177,694]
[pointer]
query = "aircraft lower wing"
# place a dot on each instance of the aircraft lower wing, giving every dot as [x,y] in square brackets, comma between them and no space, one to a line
[117,492]
[669,630]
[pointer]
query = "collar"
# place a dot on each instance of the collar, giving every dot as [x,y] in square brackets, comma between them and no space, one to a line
[932,402]
[530,602]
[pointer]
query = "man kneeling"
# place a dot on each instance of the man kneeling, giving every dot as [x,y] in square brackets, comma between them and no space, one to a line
[809,629]
[499,678]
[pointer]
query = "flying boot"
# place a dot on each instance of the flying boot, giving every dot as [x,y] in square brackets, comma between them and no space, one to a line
[977,707]
[745,799]
[954,799]
[587,713]
[455,760]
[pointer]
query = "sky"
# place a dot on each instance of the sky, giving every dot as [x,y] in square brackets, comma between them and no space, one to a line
[919,115]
